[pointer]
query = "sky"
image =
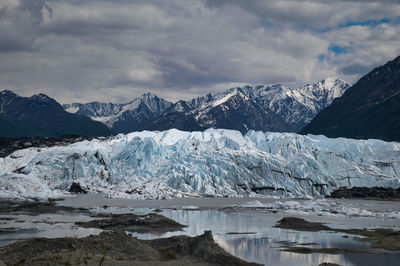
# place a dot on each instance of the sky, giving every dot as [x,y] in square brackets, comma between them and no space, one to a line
[116,50]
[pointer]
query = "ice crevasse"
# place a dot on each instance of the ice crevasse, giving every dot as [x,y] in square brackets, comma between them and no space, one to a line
[216,162]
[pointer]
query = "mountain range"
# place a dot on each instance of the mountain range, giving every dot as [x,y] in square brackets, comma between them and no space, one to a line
[42,116]
[123,118]
[265,108]
[368,109]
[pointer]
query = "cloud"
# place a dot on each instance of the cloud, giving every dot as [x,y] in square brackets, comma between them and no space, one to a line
[355,69]
[18,24]
[314,13]
[35,9]
[116,50]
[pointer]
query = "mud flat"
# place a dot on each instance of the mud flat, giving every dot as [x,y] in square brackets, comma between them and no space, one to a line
[118,248]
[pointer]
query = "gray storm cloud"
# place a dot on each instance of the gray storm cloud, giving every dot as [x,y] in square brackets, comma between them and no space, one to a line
[35,9]
[19,20]
[116,50]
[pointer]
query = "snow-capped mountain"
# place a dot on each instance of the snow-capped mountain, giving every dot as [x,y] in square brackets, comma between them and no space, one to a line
[127,117]
[299,106]
[266,108]
[235,108]
[231,110]
[214,162]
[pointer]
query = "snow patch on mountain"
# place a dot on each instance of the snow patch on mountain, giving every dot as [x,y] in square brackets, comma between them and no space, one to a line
[71,109]
[227,97]
[153,164]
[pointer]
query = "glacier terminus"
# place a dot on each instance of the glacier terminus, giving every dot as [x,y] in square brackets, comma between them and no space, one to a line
[215,162]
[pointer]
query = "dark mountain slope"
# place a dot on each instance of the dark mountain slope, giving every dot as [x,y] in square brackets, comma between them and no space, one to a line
[41,115]
[368,109]
[14,128]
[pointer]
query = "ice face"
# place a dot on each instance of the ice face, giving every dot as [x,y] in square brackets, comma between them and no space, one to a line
[215,162]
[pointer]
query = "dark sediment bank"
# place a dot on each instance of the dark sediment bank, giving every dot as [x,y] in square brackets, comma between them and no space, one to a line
[118,248]
[9,145]
[382,240]
[151,222]
[300,225]
[385,193]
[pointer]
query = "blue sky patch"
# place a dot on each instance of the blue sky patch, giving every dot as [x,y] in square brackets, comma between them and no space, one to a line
[369,23]
[265,23]
[337,49]
[366,23]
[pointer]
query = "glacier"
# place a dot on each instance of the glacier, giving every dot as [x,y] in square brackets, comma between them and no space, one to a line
[215,162]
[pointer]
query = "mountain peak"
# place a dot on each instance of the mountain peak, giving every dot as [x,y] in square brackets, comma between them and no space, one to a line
[332,79]
[331,82]
[145,97]
[41,97]
[153,102]
[148,95]
[7,92]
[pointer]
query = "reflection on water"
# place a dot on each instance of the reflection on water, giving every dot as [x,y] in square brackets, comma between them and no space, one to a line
[372,259]
[264,246]
[267,252]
